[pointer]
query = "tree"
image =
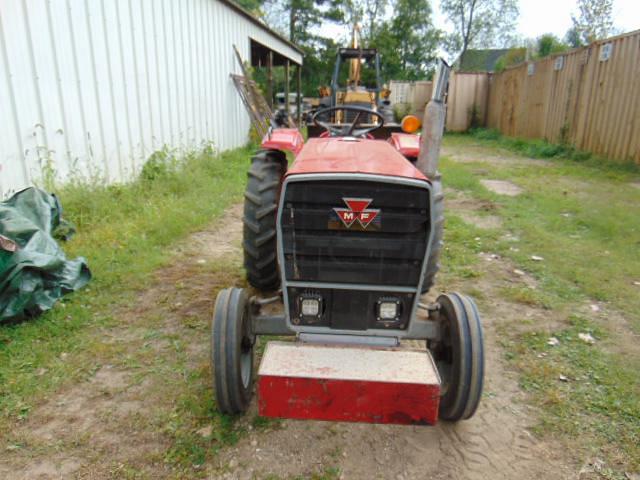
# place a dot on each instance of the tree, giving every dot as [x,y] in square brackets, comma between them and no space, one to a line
[572,38]
[369,14]
[305,14]
[252,6]
[548,44]
[513,57]
[479,23]
[297,19]
[594,20]
[408,42]
[402,30]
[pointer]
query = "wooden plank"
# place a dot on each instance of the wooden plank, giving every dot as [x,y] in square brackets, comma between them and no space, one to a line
[299,97]
[631,139]
[625,99]
[270,79]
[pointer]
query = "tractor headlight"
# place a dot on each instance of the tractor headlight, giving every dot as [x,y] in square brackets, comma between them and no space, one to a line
[388,309]
[310,305]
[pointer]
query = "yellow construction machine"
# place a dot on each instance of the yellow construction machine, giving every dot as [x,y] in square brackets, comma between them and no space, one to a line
[356,82]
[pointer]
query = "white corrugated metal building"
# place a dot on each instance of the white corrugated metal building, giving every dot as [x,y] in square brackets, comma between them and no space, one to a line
[90,88]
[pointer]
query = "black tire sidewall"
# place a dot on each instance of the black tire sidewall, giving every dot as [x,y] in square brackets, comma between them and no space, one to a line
[238,319]
[453,402]
[230,325]
[459,314]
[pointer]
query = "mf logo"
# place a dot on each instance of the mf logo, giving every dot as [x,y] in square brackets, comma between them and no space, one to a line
[357,210]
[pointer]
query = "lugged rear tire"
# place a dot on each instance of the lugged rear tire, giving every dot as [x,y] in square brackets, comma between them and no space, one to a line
[459,356]
[433,264]
[259,219]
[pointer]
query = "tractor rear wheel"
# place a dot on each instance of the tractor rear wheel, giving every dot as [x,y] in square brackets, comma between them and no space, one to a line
[459,356]
[232,351]
[260,208]
[433,264]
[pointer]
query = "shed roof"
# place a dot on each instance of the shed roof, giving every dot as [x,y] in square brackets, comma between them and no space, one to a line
[249,16]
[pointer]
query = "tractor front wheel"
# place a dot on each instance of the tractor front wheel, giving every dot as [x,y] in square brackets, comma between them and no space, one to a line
[459,356]
[232,351]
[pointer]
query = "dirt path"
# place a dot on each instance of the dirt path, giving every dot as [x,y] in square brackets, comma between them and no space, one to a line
[495,444]
[122,420]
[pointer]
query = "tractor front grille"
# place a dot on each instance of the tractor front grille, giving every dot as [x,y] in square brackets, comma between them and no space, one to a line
[319,247]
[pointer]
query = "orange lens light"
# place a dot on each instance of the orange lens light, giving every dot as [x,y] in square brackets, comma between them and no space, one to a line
[410,124]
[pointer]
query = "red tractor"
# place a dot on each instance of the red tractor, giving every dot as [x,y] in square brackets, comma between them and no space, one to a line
[348,238]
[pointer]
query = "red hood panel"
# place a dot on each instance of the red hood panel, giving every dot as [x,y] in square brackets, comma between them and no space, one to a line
[338,155]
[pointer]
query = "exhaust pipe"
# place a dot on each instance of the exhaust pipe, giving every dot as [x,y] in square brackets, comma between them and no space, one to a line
[435,115]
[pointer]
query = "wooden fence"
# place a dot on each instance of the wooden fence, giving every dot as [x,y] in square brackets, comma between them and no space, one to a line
[589,97]
[467,101]
[417,94]
[466,104]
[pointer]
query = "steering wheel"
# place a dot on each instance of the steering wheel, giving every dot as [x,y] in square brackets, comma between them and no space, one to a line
[347,129]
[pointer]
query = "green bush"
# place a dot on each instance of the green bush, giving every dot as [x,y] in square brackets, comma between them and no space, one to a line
[401,110]
[159,165]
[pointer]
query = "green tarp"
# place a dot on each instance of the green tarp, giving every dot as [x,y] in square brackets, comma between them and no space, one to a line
[34,272]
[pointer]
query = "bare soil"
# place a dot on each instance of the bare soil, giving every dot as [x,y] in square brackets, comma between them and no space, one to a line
[479,213]
[502,187]
[494,156]
[107,424]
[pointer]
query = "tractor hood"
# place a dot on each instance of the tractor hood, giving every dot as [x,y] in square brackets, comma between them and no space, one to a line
[350,155]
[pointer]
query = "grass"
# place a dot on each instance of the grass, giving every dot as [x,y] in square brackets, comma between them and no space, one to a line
[543,149]
[598,403]
[581,217]
[125,232]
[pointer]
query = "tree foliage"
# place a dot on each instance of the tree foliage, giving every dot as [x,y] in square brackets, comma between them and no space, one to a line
[479,23]
[545,45]
[252,6]
[572,38]
[402,30]
[549,44]
[594,20]
[298,20]
[408,42]
[369,14]
[513,57]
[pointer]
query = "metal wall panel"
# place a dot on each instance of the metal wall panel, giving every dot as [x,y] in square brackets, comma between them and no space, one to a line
[90,88]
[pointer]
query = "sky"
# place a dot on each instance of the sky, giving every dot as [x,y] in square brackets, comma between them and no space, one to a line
[554,16]
[538,17]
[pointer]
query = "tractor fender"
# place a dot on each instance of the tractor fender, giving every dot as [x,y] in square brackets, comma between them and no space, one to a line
[407,144]
[287,139]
